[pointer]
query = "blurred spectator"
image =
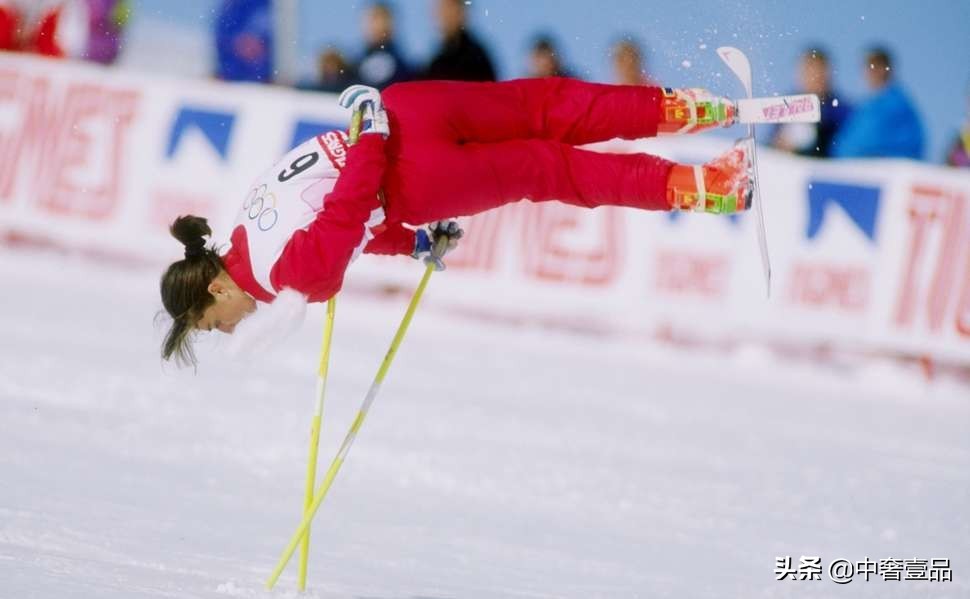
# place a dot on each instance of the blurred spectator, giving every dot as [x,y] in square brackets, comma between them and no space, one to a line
[106,22]
[33,26]
[959,152]
[461,56]
[88,29]
[382,63]
[334,73]
[885,125]
[545,60]
[814,139]
[244,41]
[628,67]
[9,26]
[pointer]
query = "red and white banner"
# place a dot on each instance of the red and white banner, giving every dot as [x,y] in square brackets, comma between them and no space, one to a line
[97,157]
[872,255]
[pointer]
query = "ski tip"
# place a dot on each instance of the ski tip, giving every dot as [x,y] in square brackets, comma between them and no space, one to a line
[736,60]
[730,54]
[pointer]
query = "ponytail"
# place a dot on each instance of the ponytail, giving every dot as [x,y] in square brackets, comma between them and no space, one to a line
[185,286]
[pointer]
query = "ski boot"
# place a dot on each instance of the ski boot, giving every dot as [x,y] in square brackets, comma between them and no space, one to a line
[724,185]
[693,110]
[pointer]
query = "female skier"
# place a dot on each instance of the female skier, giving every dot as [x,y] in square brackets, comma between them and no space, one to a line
[436,150]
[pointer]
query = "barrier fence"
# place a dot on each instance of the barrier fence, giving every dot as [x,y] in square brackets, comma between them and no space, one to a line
[868,254]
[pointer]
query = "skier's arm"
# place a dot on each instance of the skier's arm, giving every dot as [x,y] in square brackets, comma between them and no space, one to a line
[393,240]
[314,259]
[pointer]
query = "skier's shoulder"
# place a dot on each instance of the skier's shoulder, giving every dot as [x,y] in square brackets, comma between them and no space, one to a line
[238,262]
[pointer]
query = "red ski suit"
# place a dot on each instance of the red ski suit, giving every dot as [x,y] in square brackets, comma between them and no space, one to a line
[457,149]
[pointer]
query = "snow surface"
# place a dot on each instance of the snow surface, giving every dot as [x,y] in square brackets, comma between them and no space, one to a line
[497,462]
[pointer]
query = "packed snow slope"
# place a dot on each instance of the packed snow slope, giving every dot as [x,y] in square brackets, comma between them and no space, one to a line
[498,461]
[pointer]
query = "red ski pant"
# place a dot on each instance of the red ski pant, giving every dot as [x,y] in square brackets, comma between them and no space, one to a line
[459,148]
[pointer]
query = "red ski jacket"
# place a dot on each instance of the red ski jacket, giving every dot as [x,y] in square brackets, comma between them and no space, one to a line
[306,218]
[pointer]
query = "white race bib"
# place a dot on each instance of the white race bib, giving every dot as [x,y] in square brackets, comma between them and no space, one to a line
[287,197]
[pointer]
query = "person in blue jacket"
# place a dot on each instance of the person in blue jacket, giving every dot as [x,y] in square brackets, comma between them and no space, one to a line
[886,125]
[244,41]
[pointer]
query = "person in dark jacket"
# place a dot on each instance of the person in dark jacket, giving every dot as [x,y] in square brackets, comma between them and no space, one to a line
[382,63]
[461,57]
[334,73]
[887,124]
[545,60]
[814,139]
[629,66]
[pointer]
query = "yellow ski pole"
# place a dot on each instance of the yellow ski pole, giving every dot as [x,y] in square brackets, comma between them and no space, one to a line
[355,120]
[311,470]
[322,371]
[304,526]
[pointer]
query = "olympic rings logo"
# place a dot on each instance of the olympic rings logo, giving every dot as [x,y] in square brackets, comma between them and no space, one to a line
[260,206]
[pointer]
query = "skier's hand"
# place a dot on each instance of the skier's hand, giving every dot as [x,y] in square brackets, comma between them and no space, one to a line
[440,238]
[368,101]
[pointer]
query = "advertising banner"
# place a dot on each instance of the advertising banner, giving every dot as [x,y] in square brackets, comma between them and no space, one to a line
[873,255]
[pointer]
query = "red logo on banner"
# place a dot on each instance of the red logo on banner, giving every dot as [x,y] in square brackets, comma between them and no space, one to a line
[682,273]
[479,249]
[963,307]
[67,144]
[844,288]
[936,284]
[555,242]
[167,205]
[556,247]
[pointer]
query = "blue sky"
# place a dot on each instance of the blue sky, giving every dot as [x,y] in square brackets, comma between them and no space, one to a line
[931,40]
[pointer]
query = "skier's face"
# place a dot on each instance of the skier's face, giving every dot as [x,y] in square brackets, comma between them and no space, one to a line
[231,305]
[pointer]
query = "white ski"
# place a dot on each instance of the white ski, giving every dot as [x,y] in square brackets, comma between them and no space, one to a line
[801,108]
[739,65]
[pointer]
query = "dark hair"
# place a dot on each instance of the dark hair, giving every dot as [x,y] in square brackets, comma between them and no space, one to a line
[879,57]
[185,285]
[381,6]
[544,43]
[627,42]
[816,53]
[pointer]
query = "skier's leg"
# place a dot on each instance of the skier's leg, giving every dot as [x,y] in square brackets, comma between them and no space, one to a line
[565,110]
[439,181]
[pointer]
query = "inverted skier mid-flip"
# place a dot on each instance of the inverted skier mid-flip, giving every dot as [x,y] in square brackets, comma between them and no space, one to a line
[431,151]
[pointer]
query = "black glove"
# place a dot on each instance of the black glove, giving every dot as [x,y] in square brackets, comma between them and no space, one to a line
[440,238]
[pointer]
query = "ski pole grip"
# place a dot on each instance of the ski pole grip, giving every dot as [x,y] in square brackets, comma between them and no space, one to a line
[441,246]
[438,251]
